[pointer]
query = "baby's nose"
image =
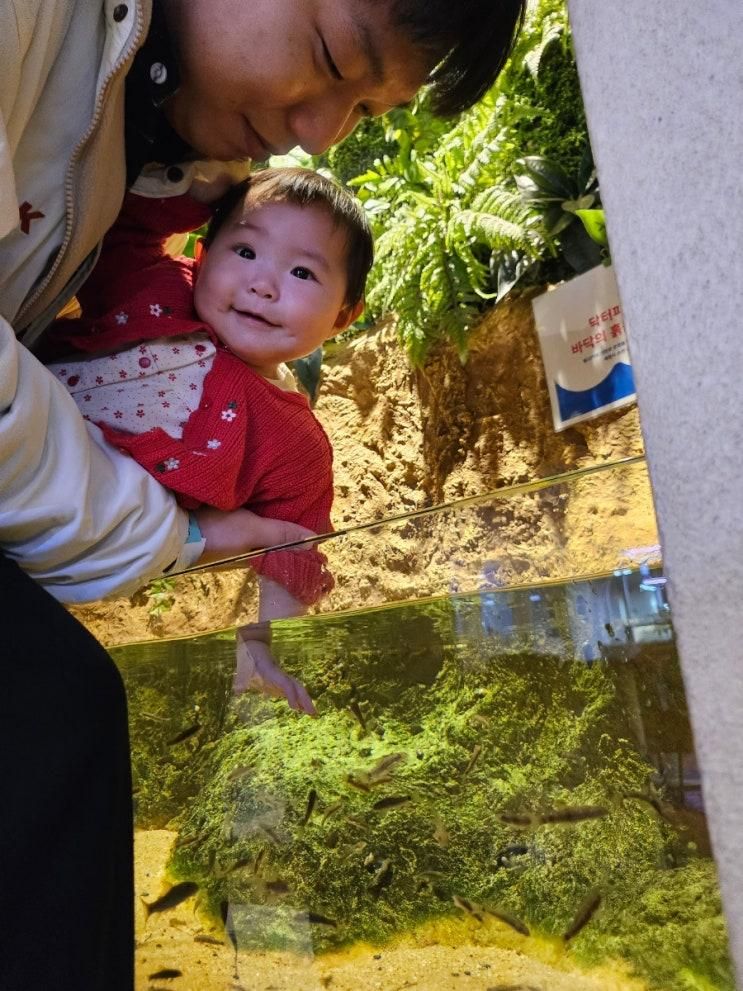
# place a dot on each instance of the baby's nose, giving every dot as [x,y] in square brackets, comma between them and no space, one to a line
[263,289]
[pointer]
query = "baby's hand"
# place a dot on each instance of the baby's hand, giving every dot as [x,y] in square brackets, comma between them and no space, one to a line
[258,671]
[268,533]
[229,535]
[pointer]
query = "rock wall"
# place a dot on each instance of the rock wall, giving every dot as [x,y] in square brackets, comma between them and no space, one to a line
[406,439]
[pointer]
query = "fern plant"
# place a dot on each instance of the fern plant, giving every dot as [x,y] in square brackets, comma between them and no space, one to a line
[443,221]
[456,223]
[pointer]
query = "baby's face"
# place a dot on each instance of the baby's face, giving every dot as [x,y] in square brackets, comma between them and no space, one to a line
[272,284]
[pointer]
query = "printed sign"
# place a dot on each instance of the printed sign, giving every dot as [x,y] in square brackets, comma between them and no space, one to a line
[584,347]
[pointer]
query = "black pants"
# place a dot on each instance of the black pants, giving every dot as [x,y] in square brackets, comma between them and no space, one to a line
[66,878]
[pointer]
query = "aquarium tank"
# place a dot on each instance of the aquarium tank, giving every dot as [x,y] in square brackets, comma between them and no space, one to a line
[499,791]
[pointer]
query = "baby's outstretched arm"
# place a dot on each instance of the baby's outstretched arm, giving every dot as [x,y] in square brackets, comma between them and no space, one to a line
[232,534]
[256,666]
[257,670]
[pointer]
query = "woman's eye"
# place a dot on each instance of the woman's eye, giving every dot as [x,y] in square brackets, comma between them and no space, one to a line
[302,273]
[330,61]
[244,251]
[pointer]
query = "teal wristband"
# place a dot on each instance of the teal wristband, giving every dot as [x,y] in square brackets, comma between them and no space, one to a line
[194,530]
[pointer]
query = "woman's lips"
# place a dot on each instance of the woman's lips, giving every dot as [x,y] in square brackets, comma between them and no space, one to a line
[255,146]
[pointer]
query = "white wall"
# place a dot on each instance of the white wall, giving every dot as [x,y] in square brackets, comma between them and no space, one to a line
[663,87]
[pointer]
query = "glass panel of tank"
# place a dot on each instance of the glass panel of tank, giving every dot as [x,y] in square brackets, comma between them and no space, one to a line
[499,792]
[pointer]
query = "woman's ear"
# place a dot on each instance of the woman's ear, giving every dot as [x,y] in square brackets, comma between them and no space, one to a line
[348,314]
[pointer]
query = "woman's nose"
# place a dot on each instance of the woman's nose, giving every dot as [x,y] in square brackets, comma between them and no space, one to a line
[321,123]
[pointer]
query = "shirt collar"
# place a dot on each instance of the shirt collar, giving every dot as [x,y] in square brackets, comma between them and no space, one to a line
[153,77]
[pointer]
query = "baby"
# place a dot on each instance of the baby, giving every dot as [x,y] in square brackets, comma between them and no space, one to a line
[188,369]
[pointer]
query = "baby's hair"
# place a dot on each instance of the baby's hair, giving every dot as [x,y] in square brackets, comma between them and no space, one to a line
[468,42]
[304,188]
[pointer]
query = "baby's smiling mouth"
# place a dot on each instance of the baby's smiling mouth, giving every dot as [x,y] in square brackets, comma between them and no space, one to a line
[252,315]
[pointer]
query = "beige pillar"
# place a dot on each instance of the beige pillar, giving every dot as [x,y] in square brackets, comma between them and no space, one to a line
[663,87]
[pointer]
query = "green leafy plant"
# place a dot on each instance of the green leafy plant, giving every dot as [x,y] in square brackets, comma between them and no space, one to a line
[444,227]
[466,209]
[569,208]
[161,596]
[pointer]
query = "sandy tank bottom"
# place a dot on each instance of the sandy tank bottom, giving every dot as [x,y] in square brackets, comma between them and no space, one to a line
[429,959]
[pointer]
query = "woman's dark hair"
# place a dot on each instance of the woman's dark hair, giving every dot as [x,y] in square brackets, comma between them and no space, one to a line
[468,41]
[304,188]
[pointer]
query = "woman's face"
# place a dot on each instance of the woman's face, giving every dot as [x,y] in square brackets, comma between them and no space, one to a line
[261,77]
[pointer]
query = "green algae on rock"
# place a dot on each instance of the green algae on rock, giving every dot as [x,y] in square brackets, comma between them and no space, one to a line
[547,732]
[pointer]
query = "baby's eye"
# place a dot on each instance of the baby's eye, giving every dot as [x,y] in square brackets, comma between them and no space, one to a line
[302,273]
[244,251]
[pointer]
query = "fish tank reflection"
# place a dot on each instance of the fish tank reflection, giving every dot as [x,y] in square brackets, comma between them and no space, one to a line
[499,793]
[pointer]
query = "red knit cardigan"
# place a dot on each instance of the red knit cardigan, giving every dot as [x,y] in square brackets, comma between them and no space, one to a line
[249,443]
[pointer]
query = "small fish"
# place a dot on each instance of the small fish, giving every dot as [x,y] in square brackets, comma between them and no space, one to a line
[521,820]
[190,840]
[184,734]
[259,860]
[584,914]
[509,920]
[552,817]
[155,718]
[358,823]
[503,857]
[356,710]
[609,629]
[271,834]
[165,974]
[650,800]
[476,751]
[229,924]
[238,772]
[358,782]
[177,894]
[382,770]
[311,799]
[471,908]
[206,938]
[237,866]
[391,802]
[277,887]
[576,813]
[441,835]
[382,878]
[332,809]
[319,920]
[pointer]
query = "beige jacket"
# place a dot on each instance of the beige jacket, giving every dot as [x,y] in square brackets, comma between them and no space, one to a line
[81,518]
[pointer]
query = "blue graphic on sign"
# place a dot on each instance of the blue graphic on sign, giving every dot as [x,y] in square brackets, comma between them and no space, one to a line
[617,384]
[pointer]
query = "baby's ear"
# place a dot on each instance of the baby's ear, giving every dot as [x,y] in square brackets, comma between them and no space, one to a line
[199,254]
[348,314]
